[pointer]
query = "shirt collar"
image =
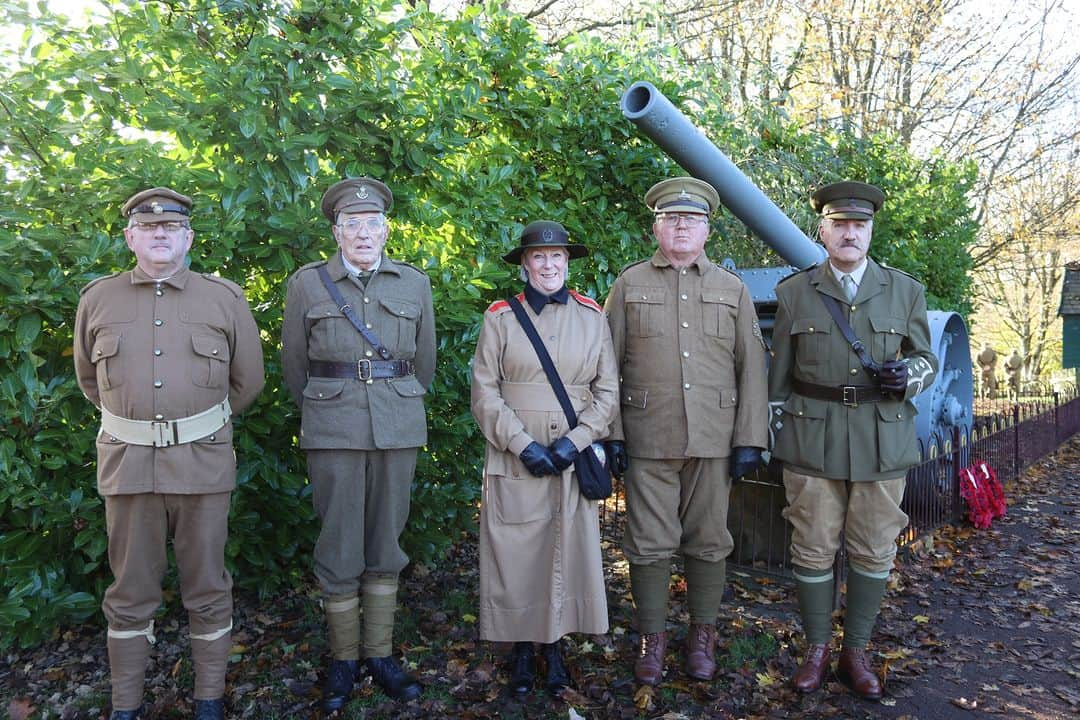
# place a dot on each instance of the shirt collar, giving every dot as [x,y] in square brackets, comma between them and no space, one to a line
[856,274]
[353,270]
[537,300]
[177,280]
[660,260]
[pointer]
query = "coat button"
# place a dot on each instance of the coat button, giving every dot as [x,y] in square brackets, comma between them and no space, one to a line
[683,271]
[367,325]
[159,323]
[683,296]
[799,413]
[644,297]
[367,300]
[159,416]
[368,353]
[320,394]
[158,383]
[810,329]
[685,324]
[370,381]
[99,352]
[554,426]
[214,351]
[158,292]
[213,438]
[686,386]
[892,330]
[852,308]
[899,416]
[686,353]
[157,352]
[854,371]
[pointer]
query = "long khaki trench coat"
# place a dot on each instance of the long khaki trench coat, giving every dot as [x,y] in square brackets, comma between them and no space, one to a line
[873,441]
[162,350]
[691,358]
[541,574]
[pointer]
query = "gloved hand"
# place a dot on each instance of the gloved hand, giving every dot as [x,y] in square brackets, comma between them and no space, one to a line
[538,460]
[893,376]
[563,453]
[618,460]
[744,460]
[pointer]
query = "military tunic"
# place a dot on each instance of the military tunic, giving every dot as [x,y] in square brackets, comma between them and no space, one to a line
[541,573]
[872,441]
[162,350]
[362,437]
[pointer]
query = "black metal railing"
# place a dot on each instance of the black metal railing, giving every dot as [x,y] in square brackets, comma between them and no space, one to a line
[1009,438]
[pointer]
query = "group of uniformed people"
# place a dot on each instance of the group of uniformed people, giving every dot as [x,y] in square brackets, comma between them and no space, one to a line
[668,377]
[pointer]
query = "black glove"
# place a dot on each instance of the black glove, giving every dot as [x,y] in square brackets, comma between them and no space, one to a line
[563,453]
[893,376]
[618,460]
[538,460]
[744,460]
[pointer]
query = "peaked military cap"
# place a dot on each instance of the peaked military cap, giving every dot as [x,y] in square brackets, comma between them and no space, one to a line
[361,194]
[682,194]
[545,233]
[849,199]
[155,205]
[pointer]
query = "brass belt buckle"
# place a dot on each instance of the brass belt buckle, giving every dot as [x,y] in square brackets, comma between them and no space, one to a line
[360,369]
[851,395]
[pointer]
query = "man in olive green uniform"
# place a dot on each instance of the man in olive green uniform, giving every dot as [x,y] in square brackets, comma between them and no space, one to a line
[987,360]
[168,355]
[361,397]
[844,425]
[694,417]
[1013,368]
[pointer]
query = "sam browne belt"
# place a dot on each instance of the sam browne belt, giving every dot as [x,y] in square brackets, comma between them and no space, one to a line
[164,433]
[361,369]
[850,395]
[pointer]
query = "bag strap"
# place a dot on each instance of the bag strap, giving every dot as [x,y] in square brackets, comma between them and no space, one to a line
[347,310]
[845,329]
[545,360]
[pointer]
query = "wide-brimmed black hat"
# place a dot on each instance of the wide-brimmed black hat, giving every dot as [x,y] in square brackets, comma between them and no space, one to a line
[545,233]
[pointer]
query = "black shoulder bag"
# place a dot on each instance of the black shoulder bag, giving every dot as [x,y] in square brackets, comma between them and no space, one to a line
[591,467]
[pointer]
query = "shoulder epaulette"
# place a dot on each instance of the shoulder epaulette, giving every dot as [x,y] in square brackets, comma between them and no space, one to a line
[232,287]
[890,268]
[500,305]
[408,265]
[586,301]
[95,281]
[728,270]
[315,264]
[796,273]
[630,265]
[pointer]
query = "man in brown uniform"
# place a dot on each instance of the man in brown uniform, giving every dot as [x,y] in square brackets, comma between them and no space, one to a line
[845,425]
[168,355]
[692,366]
[359,365]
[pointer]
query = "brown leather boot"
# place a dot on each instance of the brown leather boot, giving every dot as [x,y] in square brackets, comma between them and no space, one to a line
[649,666]
[854,671]
[811,673]
[701,651]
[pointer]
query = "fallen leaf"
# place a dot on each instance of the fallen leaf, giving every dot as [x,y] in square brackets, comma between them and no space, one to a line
[921,619]
[964,703]
[644,698]
[20,709]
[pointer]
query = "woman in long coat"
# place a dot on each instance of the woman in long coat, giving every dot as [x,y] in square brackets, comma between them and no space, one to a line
[541,575]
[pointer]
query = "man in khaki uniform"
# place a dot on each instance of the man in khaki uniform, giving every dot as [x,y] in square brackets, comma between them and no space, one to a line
[694,414]
[361,397]
[987,360]
[844,425]
[168,355]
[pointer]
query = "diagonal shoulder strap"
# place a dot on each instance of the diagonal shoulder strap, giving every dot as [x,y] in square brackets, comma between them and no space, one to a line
[545,360]
[845,329]
[347,310]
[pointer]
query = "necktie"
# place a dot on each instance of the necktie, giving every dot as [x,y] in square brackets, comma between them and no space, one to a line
[849,287]
[363,277]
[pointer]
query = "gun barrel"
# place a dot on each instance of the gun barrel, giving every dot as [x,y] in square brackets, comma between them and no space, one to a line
[666,126]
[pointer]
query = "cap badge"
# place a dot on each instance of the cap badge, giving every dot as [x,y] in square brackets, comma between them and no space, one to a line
[362,193]
[548,235]
[156,208]
[684,195]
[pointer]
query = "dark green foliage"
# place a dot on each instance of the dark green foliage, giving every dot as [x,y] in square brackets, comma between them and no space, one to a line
[255,108]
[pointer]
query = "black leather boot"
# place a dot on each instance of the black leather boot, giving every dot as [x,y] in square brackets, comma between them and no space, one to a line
[522,668]
[340,679]
[210,709]
[389,676]
[558,677]
[126,714]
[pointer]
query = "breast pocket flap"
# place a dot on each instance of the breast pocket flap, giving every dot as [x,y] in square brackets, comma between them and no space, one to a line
[105,347]
[810,326]
[213,348]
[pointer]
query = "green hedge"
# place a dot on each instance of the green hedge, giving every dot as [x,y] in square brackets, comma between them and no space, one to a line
[254,109]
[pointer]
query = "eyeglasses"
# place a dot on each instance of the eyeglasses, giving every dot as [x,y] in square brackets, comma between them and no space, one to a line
[171,227]
[691,219]
[371,224]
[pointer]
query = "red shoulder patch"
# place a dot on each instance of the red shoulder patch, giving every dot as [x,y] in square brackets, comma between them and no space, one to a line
[586,301]
[498,305]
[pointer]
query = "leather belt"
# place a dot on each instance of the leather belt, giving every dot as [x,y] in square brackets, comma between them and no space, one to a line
[163,433]
[850,395]
[361,369]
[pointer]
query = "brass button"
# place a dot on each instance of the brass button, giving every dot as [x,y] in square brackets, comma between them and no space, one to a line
[644,297]
[899,416]
[159,323]
[213,438]
[158,383]
[157,351]
[159,416]
[214,351]
[683,271]
[854,371]
[685,324]
[811,328]
[158,293]
[98,352]
[367,325]
[686,353]
[554,426]
[320,394]
[368,353]
[799,413]
[370,381]
[686,386]
[367,300]
[852,308]
[683,296]
[892,330]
